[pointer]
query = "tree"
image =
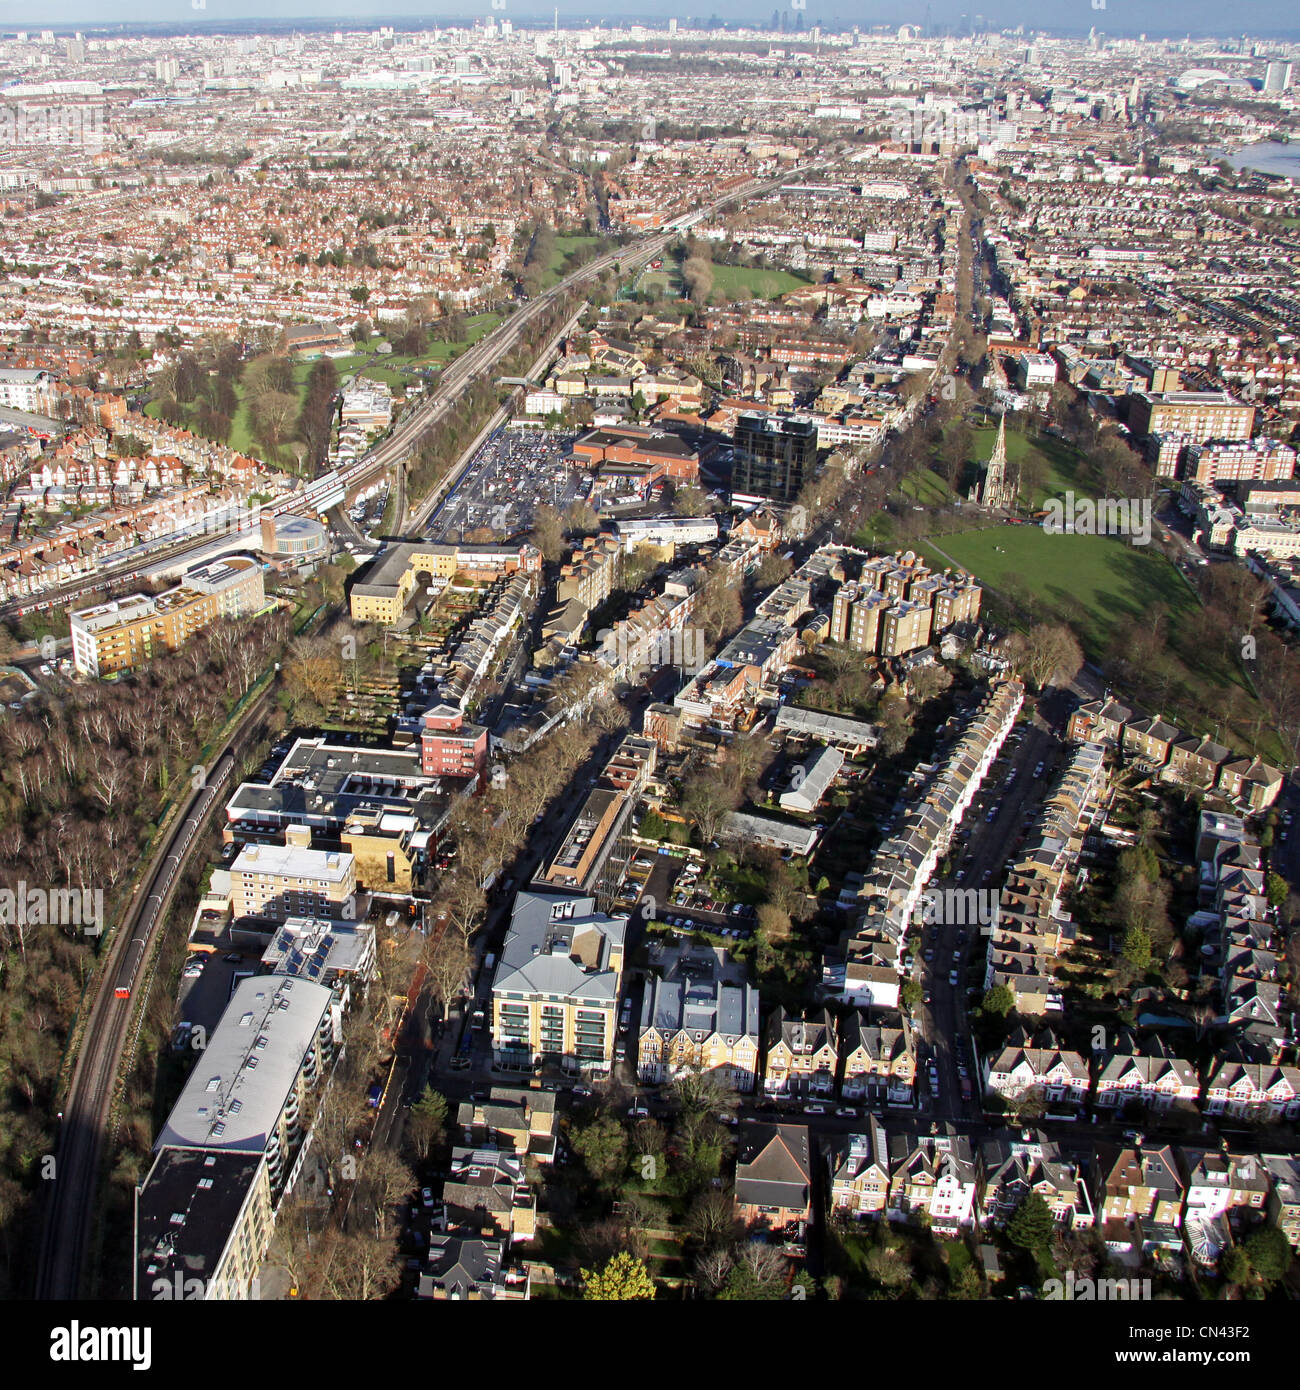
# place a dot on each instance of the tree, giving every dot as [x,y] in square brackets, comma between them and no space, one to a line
[1052,649]
[697,276]
[910,993]
[711,1221]
[1235,1266]
[602,1146]
[773,923]
[1032,1227]
[998,1001]
[1270,1254]
[1136,949]
[1277,889]
[427,1120]
[623,1278]
[447,960]
[708,801]
[887,1266]
[690,501]
[757,1275]
[548,533]
[895,725]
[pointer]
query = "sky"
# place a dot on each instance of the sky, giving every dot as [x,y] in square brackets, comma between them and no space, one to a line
[1128,17]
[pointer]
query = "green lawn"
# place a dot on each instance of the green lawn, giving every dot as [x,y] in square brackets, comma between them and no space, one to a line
[728,279]
[564,245]
[1089,581]
[762,284]
[926,486]
[1094,583]
[1062,465]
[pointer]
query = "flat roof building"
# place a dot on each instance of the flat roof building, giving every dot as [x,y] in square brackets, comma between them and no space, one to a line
[128,632]
[274,1042]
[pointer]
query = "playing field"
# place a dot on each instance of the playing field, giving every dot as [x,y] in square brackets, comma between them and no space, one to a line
[727,280]
[1089,581]
[762,284]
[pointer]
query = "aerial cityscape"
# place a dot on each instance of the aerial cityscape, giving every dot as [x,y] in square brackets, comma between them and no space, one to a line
[649,658]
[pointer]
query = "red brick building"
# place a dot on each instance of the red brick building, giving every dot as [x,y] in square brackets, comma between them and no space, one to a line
[450,747]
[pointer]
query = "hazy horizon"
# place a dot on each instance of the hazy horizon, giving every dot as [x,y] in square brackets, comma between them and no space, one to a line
[1262,19]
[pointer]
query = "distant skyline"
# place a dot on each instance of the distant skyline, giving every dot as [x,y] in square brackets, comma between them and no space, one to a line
[1123,18]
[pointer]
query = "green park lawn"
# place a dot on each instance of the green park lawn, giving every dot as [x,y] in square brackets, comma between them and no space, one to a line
[1062,465]
[1091,582]
[564,245]
[762,284]
[926,486]
[727,279]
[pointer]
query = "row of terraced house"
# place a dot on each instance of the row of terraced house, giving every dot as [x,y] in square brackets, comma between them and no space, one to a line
[1162,1199]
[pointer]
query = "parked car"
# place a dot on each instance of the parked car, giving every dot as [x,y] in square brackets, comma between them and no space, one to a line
[814,1110]
[637,1111]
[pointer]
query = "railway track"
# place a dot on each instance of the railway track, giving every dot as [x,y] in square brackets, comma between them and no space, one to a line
[72,1200]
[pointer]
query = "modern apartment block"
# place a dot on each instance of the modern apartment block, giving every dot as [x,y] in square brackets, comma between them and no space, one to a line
[905,627]
[774,456]
[555,991]
[1218,463]
[203,1222]
[1201,415]
[128,632]
[275,1040]
[293,880]
[377,802]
